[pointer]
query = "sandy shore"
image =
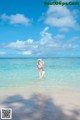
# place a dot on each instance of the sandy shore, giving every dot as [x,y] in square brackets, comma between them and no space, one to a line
[36,103]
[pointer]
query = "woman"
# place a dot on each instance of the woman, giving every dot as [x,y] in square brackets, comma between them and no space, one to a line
[40,65]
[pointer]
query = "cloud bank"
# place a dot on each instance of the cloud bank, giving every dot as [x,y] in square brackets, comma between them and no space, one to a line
[48,44]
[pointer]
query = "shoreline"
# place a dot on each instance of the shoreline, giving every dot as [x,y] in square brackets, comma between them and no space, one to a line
[31,89]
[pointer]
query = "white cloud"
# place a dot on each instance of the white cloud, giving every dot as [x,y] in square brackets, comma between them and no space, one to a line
[2,53]
[47,44]
[45,36]
[46,41]
[52,42]
[20,44]
[49,40]
[29,41]
[69,46]
[16,45]
[26,52]
[16,19]
[60,16]
[72,43]
[41,18]
[59,37]
[63,29]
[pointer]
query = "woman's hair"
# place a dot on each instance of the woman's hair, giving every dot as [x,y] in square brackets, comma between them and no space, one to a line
[40,60]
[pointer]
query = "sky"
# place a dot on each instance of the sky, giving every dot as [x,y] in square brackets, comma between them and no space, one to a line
[28,28]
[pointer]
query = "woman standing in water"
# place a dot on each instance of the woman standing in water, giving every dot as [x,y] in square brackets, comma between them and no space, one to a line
[40,65]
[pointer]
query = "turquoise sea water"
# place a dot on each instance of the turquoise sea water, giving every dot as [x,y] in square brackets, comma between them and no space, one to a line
[59,72]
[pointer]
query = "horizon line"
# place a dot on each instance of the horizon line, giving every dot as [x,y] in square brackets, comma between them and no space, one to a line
[37,57]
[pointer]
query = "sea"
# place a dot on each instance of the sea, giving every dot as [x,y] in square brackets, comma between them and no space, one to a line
[23,72]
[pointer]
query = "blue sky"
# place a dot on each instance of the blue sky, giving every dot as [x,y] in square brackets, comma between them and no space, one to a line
[28,28]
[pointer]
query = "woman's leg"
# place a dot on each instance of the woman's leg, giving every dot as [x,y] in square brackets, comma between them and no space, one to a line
[43,73]
[40,73]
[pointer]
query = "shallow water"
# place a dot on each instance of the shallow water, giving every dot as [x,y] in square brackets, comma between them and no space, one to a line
[59,72]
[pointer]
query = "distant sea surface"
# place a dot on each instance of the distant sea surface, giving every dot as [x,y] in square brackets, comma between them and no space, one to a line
[22,72]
